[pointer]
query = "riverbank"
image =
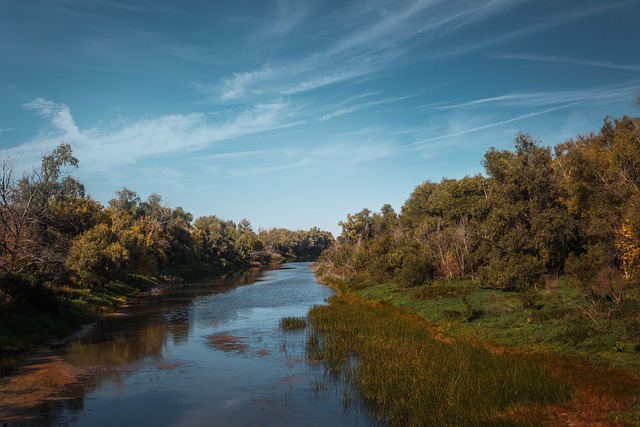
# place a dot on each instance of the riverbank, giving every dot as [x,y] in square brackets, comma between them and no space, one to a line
[68,309]
[597,361]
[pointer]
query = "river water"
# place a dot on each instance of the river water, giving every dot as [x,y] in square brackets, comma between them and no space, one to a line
[208,354]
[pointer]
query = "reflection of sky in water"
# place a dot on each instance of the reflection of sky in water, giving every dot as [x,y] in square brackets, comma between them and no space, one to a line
[158,368]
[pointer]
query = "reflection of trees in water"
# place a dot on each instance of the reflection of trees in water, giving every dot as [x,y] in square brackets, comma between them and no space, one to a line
[118,342]
[178,325]
[145,339]
[124,340]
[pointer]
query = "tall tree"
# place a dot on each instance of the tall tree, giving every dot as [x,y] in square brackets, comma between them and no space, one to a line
[528,230]
[26,210]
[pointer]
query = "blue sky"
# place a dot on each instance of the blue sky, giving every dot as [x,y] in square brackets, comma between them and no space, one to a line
[294,113]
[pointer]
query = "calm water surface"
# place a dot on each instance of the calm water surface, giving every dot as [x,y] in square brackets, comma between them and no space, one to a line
[204,354]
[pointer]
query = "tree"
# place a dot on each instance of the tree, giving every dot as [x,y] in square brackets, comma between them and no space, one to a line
[601,173]
[418,210]
[245,240]
[357,228]
[527,229]
[126,201]
[25,209]
[214,240]
[97,256]
[179,229]
[386,221]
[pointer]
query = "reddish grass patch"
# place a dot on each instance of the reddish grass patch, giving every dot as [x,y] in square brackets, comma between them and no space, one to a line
[601,394]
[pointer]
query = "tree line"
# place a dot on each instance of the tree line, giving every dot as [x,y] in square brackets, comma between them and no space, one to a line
[52,234]
[537,212]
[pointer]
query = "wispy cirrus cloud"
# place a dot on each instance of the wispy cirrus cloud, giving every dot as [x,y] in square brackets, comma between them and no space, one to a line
[59,114]
[565,59]
[240,85]
[373,39]
[260,169]
[290,14]
[346,107]
[475,129]
[126,141]
[545,98]
[138,7]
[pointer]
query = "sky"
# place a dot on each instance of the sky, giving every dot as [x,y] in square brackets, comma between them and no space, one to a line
[294,113]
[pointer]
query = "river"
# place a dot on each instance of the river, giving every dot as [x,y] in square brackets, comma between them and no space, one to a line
[201,354]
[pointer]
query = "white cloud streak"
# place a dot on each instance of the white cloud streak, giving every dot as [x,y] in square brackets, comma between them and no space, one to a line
[59,114]
[565,59]
[126,142]
[486,126]
[376,42]
[546,98]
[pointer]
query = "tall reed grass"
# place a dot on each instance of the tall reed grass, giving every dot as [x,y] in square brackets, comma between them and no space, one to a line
[401,375]
[292,322]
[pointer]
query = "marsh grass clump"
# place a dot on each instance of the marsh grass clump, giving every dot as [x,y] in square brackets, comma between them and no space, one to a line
[405,377]
[292,322]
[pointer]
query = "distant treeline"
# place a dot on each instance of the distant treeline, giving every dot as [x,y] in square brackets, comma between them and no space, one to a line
[52,234]
[535,213]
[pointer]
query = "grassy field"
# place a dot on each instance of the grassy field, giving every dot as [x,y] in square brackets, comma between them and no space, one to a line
[459,354]
[551,320]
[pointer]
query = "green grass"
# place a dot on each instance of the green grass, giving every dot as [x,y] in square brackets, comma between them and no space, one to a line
[555,323]
[598,353]
[391,364]
[291,322]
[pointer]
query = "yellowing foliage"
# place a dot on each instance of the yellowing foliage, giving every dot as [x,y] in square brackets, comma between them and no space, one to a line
[628,245]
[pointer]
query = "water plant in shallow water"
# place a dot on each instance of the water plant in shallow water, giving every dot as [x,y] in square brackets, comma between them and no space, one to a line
[401,375]
[292,322]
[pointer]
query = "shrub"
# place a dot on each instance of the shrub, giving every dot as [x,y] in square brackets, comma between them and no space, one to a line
[17,293]
[417,269]
[470,313]
[529,299]
[519,272]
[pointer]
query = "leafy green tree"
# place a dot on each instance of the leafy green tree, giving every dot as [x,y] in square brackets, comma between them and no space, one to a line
[528,230]
[214,239]
[245,241]
[97,256]
[601,175]
[180,232]
[126,201]
[358,227]
[446,218]
[281,243]
[385,222]
[26,211]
